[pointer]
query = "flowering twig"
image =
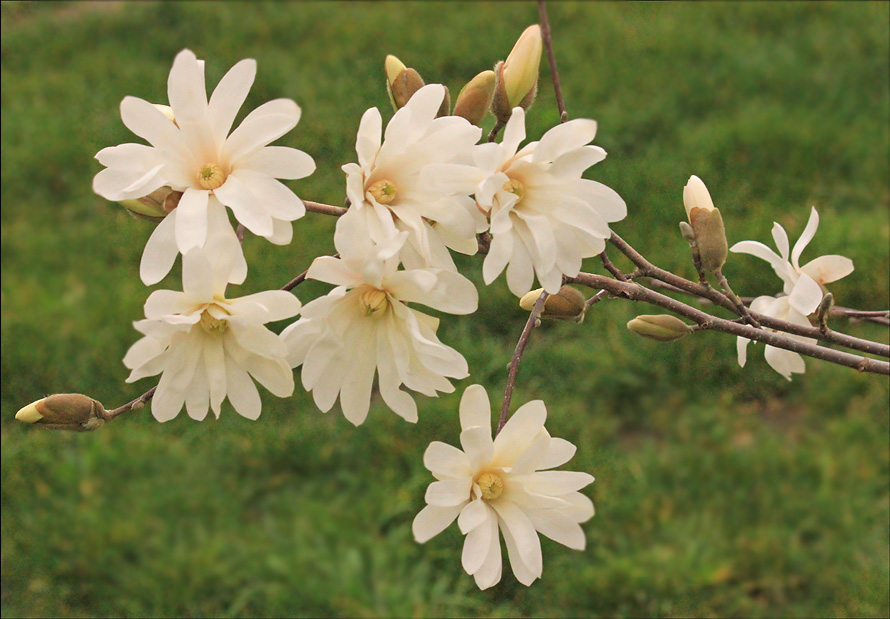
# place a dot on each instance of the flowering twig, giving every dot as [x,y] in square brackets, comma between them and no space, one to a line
[636,292]
[132,405]
[554,73]
[513,368]
[739,306]
[647,269]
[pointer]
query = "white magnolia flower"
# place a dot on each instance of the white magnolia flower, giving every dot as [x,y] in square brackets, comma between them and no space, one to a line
[544,217]
[504,484]
[365,326]
[802,283]
[785,362]
[208,347]
[389,189]
[198,156]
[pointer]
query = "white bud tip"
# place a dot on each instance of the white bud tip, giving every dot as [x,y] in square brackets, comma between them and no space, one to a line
[29,414]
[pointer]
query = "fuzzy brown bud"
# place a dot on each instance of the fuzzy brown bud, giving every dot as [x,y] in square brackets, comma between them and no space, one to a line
[707,225]
[474,99]
[401,82]
[567,304]
[64,411]
[517,77]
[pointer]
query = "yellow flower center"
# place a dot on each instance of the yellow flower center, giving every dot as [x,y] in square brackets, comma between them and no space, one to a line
[211,325]
[373,302]
[211,176]
[384,191]
[491,484]
[515,187]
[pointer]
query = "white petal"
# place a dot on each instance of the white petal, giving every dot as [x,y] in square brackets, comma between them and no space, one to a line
[478,446]
[554,483]
[266,306]
[248,210]
[475,408]
[558,527]
[564,138]
[498,256]
[474,513]
[433,520]
[784,362]
[229,96]
[146,121]
[781,239]
[279,162]
[478,544]
[449,492]
[197,276]
[241,391]
[514,132]
[446,461]
[573,163]
[269,195]
[519,432]
[160,251]
[742,349]
[367,142]
[806,236]
[441,290]
[523,545]
[559,452]
[827,269]
[333,271]
[185,88]
[191,219]
[806,296]
[490,573]
[264,125]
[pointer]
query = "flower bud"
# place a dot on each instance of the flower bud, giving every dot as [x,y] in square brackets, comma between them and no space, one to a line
[445,108]
[401,82]
[64,411]
[659,327]
[567,304]
[707,224]
[155,206]
[517,77]
[475,98]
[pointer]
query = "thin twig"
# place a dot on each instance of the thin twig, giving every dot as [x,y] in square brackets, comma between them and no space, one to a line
[513,368]
[493,134]
[740,307]
[636,292]
[611,268]
[325,209]
[239,232]
[131,405]
[551,57]
[599,296]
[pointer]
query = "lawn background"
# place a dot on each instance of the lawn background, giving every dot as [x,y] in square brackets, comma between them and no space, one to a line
[720,491]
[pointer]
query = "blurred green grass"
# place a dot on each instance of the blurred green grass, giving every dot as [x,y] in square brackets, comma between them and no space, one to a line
[720,491]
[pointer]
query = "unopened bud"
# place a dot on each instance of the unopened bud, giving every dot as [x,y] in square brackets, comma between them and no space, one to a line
[64,411]
[475,98]
[156,205]
[517,77]
[373,302]
[707,224]
[660,327]
[401,82]
[567,304]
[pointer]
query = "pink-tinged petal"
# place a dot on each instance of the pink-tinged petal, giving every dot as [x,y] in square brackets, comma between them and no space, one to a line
[558,527]
[160,251]
[474,514]
[741,344]
[229,96]
[191,219]
[490,573]
[784,362]
[237,195]
[185,88]
[477,544]
[564,138]
[279,162]
[446,461]
[806,295]
[333,271]
[475,408]
[241,391]
[558,453]
[449,492]
[523,545]
[433,520]
[554,483]
[367,142]
[827,269]
[150,124]
[478,446]
[264,125]
[806,236]
[514,132]
[519,432]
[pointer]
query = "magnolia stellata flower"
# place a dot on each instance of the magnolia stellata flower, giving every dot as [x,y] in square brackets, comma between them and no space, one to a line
[208,347]
[504,484]
[365,326]
[785,362]
[544,217]
[388,189]
[803,284]
[196,154]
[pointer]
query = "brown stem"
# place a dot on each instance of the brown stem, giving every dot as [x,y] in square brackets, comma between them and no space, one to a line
[637,292]
[740,307]
[611,268]
[493,134]
[513,368]
[551,57]
[131,405]
[647,269]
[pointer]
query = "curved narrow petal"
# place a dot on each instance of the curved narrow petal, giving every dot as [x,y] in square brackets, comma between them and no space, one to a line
[229,96]
[160,251]
[806,236]
[477,544]
[264,125]
[241,391]
[514,132]
[191,219]
[279,162]
[554,483]
[490,573]
[185,88]
[781,239]
[519,432]
[523,545]
[558,527]
[498,256]
[367,142]
[564,138]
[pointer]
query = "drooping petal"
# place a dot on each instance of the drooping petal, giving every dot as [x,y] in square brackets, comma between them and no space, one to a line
[477,544]
[558,527]
[432,520]
[523,545]
[160,251]
[806,295]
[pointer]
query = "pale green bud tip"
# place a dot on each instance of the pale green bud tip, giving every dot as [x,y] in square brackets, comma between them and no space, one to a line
[393,67]
[567,304]
[475,98]
[64,411]
[696,195]
[521,66]
[156,205]
[659,327]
